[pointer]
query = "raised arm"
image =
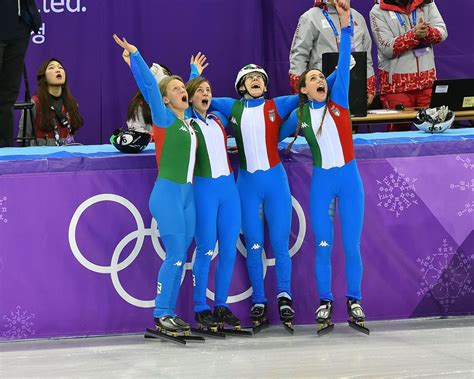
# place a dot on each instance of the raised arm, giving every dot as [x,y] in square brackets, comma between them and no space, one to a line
[198,65]
[340,91]
[285,104]
[146,82]
[149,89]
[223,105]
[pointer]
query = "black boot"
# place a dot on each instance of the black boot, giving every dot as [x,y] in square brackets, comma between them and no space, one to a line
[258,312]
[168,324]
[355,311]
[285,308]
[206,319]
[324,312]
[223,315]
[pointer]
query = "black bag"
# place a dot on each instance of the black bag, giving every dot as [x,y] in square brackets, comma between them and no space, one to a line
[30,14]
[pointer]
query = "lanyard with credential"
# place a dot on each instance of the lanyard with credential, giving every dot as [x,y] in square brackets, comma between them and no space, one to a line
[333,27]
[402,22]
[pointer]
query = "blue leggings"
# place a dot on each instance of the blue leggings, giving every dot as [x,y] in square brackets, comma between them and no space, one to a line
[266,193]
[172,206]
[345,184]
[217,218]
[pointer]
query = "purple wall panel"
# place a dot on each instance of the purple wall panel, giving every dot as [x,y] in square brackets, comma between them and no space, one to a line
[231,33]
[55,253]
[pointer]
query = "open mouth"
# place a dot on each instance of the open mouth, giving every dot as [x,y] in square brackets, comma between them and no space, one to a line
[184,99]
[205,102]
[321,90]
[255,86]
[59,76]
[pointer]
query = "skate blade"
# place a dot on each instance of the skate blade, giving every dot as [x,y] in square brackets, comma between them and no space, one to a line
[360,328]
[156,334]
[208,333]
[289,327]
[325,330]
[237,332]
[259,326]
[190,338]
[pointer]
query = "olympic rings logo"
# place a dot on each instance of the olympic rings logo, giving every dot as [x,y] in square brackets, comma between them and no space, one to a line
[139,236]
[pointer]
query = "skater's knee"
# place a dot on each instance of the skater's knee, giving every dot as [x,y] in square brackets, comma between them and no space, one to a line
[205,253]
[227,257]
[280,245]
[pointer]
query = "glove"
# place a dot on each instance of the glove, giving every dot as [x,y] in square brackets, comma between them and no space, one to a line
[157,72]
[353,63]
[294,79]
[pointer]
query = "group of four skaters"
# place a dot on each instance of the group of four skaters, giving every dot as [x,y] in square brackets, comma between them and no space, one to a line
[196,196]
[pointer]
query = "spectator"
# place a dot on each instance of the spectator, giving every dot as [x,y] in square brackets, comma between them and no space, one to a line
[17,19]
[405,31]
[55,113]
[319,32]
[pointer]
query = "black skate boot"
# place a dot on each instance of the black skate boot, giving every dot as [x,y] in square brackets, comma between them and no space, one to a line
[185,327]
[167,324]
[324,317]
[258,314]
[356,316]
[224,315]
[206,324]
[287,314]
[172,329]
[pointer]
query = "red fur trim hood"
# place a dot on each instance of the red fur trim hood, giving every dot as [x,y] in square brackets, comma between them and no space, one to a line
[397,8]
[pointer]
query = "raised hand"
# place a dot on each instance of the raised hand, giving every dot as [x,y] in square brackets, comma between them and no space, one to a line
[343,9]
[199,61]
[127,48]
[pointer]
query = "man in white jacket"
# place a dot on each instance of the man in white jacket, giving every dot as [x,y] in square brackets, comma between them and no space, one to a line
[318,32]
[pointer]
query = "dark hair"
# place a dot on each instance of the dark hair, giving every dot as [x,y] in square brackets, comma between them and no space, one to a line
[47,121]
[302,102]
[166,70]
[192,85]
[136,102]
[139,101]
[402,3]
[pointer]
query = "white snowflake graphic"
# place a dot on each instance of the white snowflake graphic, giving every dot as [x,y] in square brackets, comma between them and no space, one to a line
[445,275]
[3,209]
[466,162]
[18,324]
[465,185]
[468,208]
[397,192]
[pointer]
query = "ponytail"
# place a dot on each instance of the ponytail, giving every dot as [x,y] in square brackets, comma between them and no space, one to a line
[302,102]
[320,129]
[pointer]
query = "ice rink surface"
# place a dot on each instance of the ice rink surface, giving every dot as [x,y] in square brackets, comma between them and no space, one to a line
[425,348]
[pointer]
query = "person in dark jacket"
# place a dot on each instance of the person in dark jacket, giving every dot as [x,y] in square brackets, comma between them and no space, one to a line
[17,19]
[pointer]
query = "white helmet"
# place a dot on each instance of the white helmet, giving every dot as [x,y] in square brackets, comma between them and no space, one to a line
[159,72]
[247,70]
[434,120]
